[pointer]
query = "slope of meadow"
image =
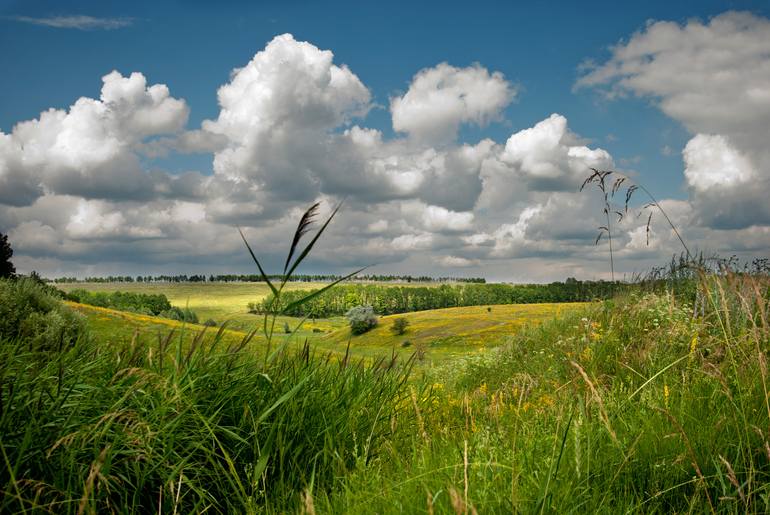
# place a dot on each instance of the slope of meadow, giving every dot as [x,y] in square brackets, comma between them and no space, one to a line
[650,402]
[439,334]
[218,301]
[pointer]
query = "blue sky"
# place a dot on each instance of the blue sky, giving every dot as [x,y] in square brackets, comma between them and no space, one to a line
[192,47]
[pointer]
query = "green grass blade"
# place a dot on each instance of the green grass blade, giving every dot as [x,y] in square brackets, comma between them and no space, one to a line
[316,293]
[309,247]
[259,266]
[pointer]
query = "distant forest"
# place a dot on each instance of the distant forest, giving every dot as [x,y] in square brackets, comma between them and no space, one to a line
[388,300]
[242,278]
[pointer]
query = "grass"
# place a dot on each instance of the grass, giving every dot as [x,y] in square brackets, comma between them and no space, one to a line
[629,406]
[218,301]
[153,427]
[646,403]
[641,404]
[115,328]
[442,334]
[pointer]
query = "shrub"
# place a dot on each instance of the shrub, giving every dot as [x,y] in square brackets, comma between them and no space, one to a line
[361,319]
[286,328]
[28,311]
[180,314]
[210,323]
[399,326]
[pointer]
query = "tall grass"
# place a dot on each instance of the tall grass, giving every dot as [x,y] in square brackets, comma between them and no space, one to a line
[631,406]
[148,428]
[187,428]
[654,401]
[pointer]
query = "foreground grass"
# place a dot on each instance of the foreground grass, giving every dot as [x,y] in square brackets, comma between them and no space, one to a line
[632,406]
[643,404]
[170,427]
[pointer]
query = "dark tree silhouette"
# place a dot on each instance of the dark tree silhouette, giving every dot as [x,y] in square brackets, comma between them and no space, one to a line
[6,252]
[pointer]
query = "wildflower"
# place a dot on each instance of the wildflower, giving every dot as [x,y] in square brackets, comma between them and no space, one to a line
[665,395]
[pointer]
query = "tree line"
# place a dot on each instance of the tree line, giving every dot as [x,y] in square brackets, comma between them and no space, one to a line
[230,278]
[388,300]
[142,303]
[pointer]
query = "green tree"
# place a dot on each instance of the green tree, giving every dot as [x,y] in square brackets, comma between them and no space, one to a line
[399,326]
[361,319]
[6,252]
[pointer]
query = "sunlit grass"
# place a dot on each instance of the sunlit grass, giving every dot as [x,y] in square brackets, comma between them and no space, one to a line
[441,334]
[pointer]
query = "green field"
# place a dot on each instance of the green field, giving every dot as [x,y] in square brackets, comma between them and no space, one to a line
[218,301]
[434,335]
[655,401]
[439,334]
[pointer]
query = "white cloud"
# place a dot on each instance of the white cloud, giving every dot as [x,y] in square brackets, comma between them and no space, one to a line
[547,154]
[714,78]
[279,108]
[437,219]
[79,22]
[88,150]
[710,162]
[412,241]
[457,262]
[77,192]
[442,98]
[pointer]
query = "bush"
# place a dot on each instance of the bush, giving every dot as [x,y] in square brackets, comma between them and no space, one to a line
[399,326]
[28,311]
[180,314]
[210,323]
[361,319]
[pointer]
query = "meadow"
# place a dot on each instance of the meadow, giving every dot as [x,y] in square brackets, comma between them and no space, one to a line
[655,401]
[219,301]
[435,335]
[440,334]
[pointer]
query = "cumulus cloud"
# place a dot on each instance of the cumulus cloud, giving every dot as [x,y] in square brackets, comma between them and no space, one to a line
[549,157]
[727,189]
[278,106]
[457,262]
[79,189]
[441,98]
[88,150]
[714,78]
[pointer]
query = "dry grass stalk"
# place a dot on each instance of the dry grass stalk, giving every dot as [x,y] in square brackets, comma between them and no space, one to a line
[733,479]
[599,402]
[94,474]
[308,507]
[420,422]
[465,473]
[691,452]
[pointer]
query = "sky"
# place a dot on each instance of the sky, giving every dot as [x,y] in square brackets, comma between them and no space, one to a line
[136,137]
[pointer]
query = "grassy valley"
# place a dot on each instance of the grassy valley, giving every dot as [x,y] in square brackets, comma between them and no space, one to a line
[654,401]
